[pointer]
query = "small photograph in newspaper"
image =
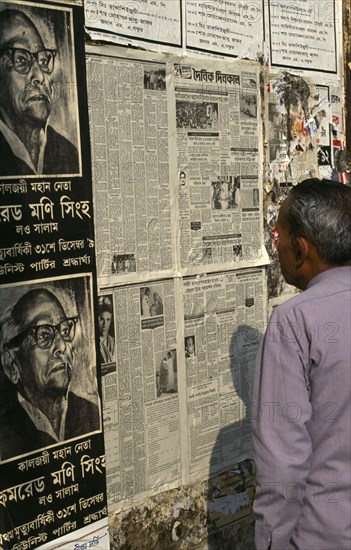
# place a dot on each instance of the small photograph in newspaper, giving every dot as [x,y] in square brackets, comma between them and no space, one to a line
[190,346]
[123,263]
[226,192]
[154,78]
[106,329]
[248,105]
[151,306]
[199,116]
[166,372]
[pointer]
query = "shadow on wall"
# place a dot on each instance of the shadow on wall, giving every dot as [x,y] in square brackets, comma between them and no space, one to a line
[231,485]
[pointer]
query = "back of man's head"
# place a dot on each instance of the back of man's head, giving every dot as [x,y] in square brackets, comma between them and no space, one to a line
[320,211]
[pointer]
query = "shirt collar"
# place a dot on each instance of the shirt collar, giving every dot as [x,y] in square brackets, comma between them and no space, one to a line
[41,421]
[19,149]
[333,271]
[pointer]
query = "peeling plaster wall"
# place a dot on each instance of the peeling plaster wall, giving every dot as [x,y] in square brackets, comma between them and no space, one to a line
[211,515]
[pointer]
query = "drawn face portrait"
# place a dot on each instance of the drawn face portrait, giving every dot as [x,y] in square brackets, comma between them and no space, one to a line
[26,89]
[44,361]
[105,319]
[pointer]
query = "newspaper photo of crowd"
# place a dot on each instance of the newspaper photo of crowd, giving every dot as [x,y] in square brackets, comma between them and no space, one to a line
[154,79]
[200,116]
[123,263]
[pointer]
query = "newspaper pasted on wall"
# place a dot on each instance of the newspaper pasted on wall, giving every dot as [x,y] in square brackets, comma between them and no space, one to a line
[178,381]
[176,165]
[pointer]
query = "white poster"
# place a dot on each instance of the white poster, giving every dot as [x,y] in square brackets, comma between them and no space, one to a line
[302,34]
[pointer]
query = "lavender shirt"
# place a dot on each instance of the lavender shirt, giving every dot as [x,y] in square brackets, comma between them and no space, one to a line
[301,420]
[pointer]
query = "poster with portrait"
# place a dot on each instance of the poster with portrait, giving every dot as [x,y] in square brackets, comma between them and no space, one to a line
[51,453]
[39,98]
[46,214]
[52,458]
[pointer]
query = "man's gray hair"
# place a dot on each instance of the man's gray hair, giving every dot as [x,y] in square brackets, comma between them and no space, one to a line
[320,211]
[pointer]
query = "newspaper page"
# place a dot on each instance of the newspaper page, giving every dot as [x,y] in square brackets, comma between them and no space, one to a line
[303,34]
[218,164]
[229,27]
[130,151]
[140,385]
[111,428]
[153,24]
[224,317]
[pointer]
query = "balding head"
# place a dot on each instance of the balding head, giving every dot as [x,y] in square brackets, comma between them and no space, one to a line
[26,90]
[17,30]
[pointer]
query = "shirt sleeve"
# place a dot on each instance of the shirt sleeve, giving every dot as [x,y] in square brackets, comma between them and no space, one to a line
[281,413]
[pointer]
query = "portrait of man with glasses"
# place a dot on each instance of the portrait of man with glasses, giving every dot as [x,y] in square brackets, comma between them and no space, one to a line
[31,72]
[38,351]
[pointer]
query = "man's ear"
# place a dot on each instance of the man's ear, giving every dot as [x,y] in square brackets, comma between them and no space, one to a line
[301,249]
[10,367]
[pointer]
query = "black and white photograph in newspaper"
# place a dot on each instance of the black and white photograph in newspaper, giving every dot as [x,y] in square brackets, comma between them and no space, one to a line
[151,301]
[226,193]
[48,387]
[237,252]
[196,115]
[248,105]
[154,78]
[182,179]
[106,329]
[39,125]
[123,263]
[190,348]
[166,372]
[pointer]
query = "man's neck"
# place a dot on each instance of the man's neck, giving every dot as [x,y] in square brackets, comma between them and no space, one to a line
[311,272]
